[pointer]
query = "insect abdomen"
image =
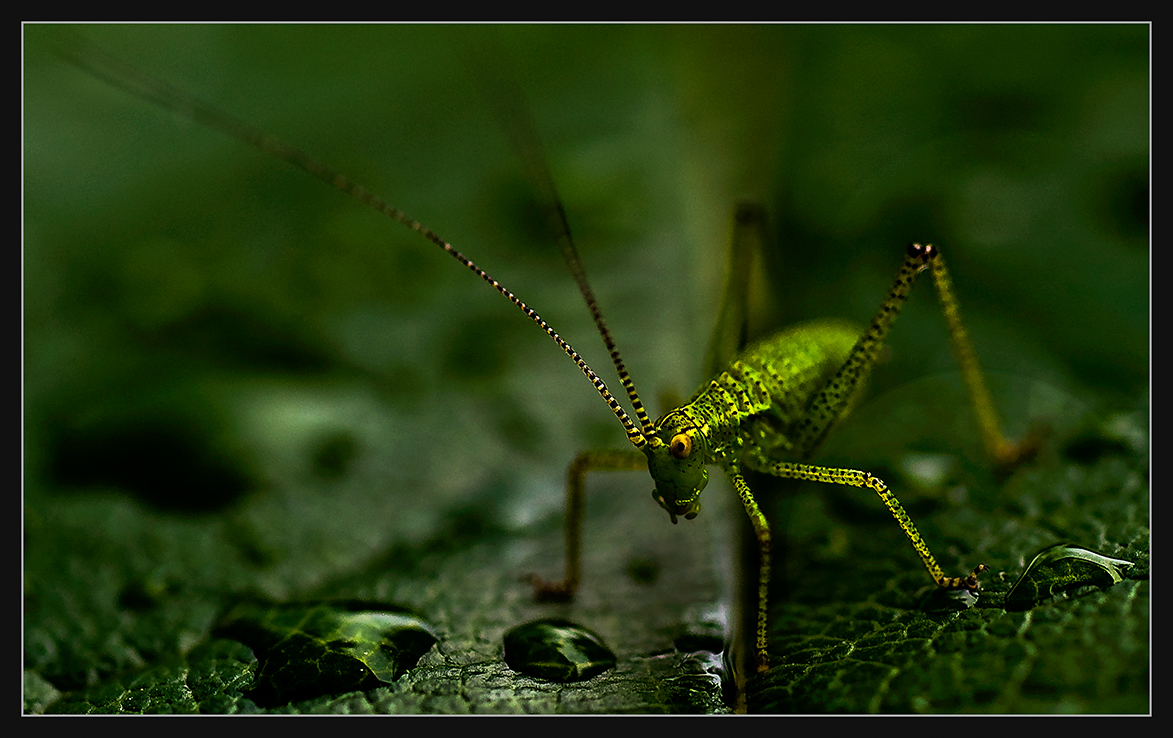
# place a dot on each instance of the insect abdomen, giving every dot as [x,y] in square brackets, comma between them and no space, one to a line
[794,364]
[767,389]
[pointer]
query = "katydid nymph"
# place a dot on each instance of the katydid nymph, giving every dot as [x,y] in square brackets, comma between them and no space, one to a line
[767,407]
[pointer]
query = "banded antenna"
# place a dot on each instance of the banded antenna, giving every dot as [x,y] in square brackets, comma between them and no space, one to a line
[93,60]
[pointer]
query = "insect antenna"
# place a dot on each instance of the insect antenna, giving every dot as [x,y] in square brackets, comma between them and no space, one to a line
[114,71]
[570,253]
[514,116]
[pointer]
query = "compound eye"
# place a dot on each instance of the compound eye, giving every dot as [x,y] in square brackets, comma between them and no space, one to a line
[681,445]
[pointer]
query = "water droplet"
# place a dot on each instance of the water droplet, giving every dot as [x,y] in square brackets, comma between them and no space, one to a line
[1061,567]
[309,650]
[556,650]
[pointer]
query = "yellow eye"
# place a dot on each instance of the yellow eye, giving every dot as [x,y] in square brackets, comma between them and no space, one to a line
[681,445]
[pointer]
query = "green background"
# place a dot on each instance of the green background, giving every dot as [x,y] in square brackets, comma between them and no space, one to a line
[239,383]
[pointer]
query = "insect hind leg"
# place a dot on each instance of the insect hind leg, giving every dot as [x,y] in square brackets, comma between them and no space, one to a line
[1003,453]
[743,278]
[840,393]
[838,396]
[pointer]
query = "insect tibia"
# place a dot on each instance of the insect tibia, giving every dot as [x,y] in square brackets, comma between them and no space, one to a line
[1005,454]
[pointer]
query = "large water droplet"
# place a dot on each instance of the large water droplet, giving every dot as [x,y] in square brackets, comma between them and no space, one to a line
[556,650]
[310,650]
[1062,567]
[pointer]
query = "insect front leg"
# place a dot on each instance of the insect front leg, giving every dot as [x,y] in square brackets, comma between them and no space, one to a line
[563,590]
[761,528]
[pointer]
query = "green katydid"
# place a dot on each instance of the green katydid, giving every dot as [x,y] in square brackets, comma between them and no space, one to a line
[771,403]
[767,408]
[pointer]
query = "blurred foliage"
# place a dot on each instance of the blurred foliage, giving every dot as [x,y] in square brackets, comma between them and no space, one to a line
[238,382]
